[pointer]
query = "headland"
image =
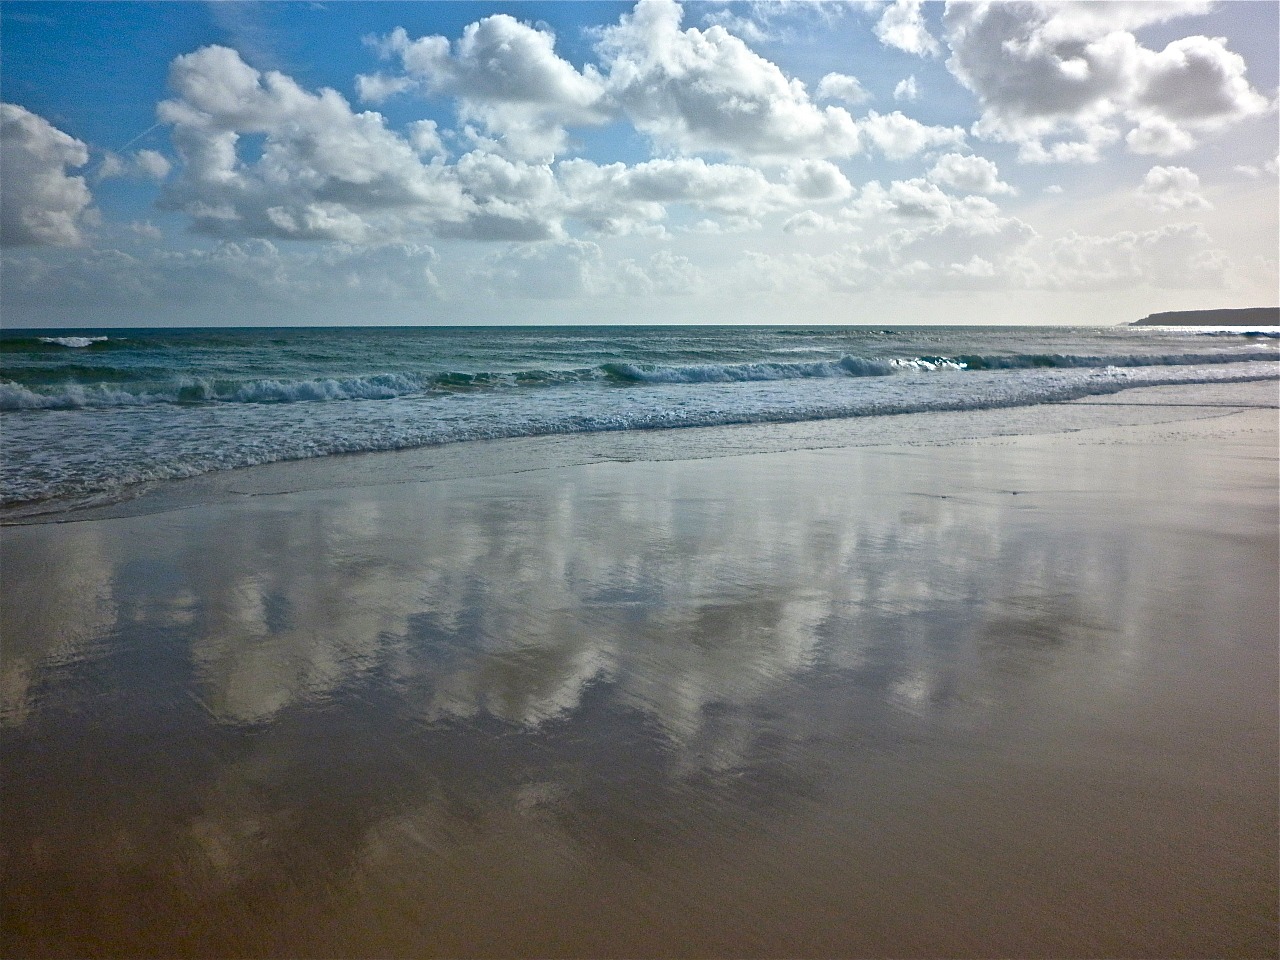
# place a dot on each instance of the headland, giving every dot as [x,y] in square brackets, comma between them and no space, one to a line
[1235,317]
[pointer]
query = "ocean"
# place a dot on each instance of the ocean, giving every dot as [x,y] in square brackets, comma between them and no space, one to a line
[88,416]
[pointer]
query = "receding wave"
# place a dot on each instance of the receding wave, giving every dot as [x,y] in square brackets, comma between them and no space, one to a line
[188,390]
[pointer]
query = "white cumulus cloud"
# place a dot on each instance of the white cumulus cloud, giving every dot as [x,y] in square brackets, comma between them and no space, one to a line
[902,26]
[507,78]
[618,199]
[1172,188]
[147,164]
[1064,80]
[898,136]
[840,86]
[918,199]
[40,204]
[1158,136]
[323,171]
[690,90]
[696,90]
[968,173]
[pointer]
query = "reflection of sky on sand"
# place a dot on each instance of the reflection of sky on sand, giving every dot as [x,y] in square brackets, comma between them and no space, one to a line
[677,589]
[680,589]
[508,606]
[608,658]
[59,613]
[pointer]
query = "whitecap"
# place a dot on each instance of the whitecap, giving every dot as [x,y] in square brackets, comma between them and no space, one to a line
[73,341]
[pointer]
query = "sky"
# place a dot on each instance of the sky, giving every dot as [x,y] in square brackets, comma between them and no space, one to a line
[173,164]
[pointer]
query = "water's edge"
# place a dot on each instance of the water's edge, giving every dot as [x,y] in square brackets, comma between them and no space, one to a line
[1135,406]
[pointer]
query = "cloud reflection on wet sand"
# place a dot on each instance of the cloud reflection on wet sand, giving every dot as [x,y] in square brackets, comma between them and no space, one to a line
[376,713]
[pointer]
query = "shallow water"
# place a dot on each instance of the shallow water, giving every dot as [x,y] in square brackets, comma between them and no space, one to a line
[1012,697]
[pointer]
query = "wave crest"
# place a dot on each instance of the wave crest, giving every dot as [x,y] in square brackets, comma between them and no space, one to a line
[73,341]
[15,396]
[846,366]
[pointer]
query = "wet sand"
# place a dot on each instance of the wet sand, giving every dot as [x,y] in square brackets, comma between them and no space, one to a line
[1002,696]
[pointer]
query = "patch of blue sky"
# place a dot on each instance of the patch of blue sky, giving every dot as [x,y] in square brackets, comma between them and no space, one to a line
[94,69]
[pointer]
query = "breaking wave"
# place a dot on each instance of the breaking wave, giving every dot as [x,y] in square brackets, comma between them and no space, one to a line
[73,341]
[15,396]
[745,372]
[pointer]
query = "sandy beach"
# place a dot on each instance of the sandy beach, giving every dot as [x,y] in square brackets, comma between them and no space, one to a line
[999,683]
[654,479]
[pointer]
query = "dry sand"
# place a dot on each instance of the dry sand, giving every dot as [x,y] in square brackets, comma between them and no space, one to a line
[1011,695]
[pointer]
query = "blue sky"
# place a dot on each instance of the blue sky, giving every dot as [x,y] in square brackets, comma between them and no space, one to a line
[783,162]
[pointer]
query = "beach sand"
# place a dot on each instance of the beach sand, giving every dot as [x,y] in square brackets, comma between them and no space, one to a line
[971,684]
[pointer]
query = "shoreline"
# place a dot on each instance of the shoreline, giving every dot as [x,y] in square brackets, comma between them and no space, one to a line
[516,454]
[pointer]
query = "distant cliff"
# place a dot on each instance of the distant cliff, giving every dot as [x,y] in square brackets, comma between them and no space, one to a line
[1244,317]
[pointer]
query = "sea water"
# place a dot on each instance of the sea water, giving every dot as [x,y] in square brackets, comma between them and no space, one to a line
[87,416]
